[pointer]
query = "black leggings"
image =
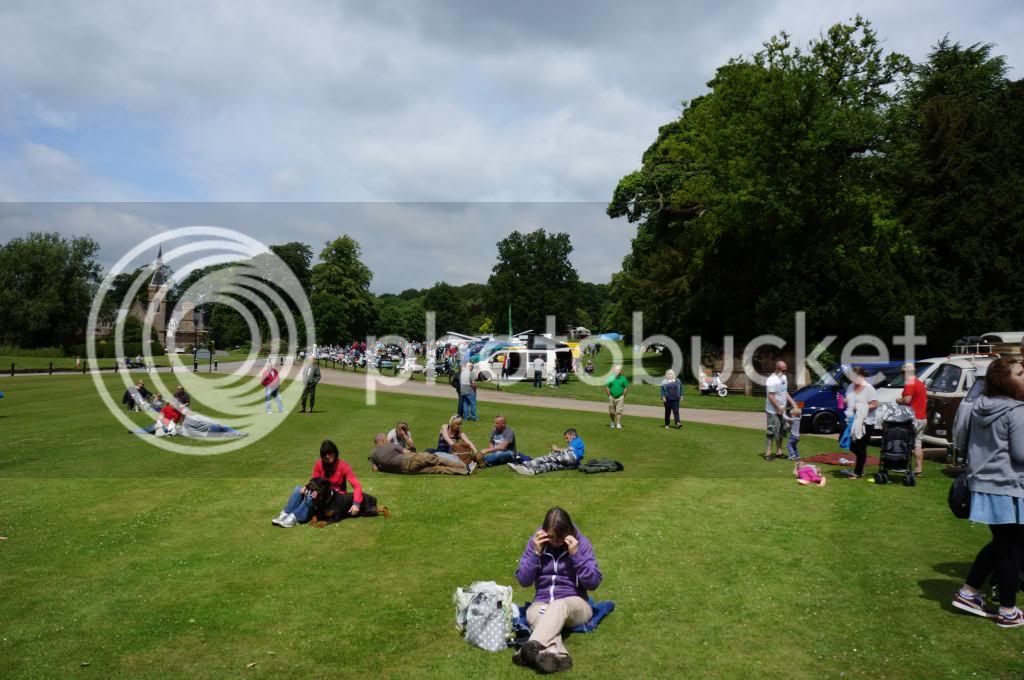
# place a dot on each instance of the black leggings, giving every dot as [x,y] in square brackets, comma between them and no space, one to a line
[859,448]
[1000,558]
[671,408]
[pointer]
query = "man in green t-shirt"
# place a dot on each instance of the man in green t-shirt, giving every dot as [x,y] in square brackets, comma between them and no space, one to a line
[616,388]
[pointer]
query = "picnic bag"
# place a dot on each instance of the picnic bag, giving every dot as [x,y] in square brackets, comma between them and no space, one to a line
[484,612]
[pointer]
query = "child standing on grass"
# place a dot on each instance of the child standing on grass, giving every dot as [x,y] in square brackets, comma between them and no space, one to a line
[793,423]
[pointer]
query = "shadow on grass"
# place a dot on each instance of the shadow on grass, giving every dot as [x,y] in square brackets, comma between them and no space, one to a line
[941,590]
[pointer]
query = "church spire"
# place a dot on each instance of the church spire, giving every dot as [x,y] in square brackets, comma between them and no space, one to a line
[158,269]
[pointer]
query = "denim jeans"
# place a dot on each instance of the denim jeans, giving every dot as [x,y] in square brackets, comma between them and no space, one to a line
[275,393]
[448,456]
[499,458]
[792,445]
[467,404]
[299,505]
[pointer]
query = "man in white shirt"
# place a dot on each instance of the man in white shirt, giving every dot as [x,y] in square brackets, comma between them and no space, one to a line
[538,370]
[776,397]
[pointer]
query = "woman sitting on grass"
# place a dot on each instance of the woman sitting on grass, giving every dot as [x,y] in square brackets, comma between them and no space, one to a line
[451,440]
[402,436]
[339,474]
[560,561]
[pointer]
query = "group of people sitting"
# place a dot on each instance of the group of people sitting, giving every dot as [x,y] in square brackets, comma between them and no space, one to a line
[456,454]
[175,415]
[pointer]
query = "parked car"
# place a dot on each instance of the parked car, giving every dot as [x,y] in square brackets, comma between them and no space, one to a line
[892,390]
[947,387]
[1005,343]
[955,452]
[819,401]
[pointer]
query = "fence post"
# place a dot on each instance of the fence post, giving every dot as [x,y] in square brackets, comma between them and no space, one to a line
[12,369]
[84,365]
[51,368]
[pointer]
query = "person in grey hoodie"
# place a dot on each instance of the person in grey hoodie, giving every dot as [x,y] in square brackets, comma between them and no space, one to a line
[560,561]
[995,476]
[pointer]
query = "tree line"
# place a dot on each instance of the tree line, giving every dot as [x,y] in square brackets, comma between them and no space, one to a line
[47,285]
[836,179]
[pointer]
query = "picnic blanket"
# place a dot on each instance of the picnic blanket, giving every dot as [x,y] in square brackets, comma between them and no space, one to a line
[844,458]
[601,610]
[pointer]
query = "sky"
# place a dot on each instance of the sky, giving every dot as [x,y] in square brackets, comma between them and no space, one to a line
[425,130]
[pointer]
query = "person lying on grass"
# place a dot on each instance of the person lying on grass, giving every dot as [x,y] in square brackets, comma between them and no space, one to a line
[387,457]
[338,475]
[808,474]
[559,459]
[560,562]
[453,443]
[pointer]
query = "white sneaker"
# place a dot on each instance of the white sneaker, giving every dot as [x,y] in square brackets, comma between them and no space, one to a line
[471,467]
[277,520]
[612,426]
[288,521]
[521,469]
[619,426]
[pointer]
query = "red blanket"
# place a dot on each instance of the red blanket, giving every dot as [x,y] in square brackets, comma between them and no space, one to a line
[833,459]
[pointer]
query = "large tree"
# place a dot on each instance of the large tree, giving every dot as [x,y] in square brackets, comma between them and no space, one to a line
[533,275]
[47,284]
[764,198]
[958,180]
[343,306]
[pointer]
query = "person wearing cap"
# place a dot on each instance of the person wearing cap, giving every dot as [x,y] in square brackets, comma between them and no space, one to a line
[916,397]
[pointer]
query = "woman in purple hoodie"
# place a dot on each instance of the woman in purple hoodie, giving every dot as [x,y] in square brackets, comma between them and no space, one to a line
[560,561]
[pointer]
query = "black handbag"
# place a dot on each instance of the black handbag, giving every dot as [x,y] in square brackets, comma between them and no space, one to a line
[960,492]
[960,496]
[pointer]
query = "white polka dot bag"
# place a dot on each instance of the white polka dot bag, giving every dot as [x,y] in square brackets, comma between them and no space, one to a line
[484,612]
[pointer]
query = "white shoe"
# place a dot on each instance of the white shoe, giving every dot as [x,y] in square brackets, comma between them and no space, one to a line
[521,469]
[618,427]
[666,427]
[288,521]
[612,426]
[277,520]
[471,467]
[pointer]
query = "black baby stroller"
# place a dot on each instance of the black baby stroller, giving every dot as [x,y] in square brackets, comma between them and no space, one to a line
[897,454]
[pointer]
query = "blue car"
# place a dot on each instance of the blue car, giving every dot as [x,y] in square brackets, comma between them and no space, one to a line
[820,412]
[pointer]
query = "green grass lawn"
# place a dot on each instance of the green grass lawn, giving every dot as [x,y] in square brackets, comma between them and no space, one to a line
[143,563]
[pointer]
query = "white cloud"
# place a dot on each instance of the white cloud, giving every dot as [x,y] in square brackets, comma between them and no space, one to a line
[392,101]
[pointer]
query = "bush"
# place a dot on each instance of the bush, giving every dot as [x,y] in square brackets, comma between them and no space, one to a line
[45,352]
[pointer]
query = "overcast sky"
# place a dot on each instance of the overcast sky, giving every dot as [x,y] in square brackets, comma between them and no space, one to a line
[502,104]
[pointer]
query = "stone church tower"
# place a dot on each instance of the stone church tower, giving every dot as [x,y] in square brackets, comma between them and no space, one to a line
[157,310]
[183,331]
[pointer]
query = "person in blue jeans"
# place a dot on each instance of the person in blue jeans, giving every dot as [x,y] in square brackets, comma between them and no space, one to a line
[503,444]
[467,393]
